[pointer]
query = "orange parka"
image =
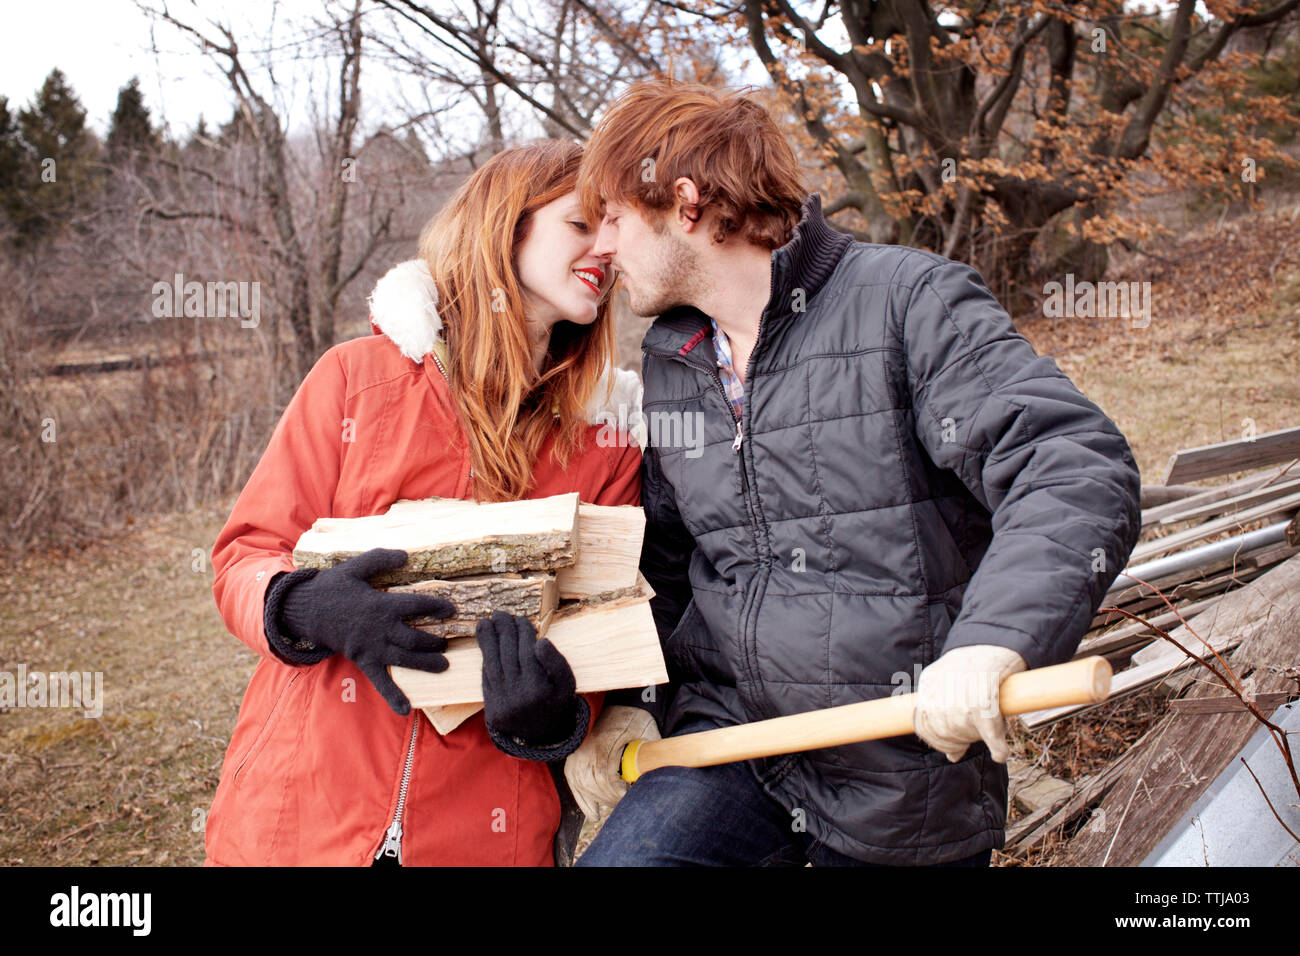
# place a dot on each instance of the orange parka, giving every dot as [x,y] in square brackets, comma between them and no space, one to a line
[319,768]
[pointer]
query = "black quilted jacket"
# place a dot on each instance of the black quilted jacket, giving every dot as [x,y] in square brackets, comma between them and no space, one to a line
[909,477]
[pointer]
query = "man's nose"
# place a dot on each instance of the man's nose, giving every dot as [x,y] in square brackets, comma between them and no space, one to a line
[604,246]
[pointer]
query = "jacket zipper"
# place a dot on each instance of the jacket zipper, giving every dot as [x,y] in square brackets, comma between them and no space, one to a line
[748,655]
[748,633]
[392,845]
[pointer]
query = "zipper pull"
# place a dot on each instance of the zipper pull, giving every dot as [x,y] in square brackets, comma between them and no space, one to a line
[392,843]
[735,445]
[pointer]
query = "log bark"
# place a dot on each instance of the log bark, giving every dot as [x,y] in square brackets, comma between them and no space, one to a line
[533,595]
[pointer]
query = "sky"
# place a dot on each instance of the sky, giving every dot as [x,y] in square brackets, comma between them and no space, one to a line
[100,45]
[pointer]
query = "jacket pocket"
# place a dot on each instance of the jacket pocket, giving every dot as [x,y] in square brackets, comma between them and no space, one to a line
[272,717]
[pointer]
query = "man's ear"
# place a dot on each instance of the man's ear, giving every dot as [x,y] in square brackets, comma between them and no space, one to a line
[687,209]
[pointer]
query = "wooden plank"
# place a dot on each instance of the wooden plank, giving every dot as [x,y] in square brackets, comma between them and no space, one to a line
[1223,705]
[1224,616]
[1150,549]
[1134,679]
[533,534]
[1234,503]
[532,594]
[1168,770]
[1183,588]
[1088,792]
[1208,461]
[609,645]
[1152,496]
[1125,635]
[1154,515]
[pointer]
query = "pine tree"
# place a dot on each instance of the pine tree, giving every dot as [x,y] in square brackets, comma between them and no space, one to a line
[130,132]
[57,173]
[11,159]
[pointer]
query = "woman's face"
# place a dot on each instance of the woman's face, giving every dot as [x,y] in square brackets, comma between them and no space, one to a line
[561,279]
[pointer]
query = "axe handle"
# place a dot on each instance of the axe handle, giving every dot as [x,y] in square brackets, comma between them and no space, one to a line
[1085,681]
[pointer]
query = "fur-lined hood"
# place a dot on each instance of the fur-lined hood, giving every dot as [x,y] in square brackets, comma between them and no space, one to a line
[404,308]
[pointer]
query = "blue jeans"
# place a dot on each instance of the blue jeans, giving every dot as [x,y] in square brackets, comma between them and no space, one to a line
[711,816]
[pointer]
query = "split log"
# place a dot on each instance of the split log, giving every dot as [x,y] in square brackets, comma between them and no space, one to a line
[446,541]
[609,645]
[609,550]
[609,542]
[533,595]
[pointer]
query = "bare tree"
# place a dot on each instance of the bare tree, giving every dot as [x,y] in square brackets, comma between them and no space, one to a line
[307,228]
[555,63]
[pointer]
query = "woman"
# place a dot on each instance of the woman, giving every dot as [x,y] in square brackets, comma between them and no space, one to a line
[490,367]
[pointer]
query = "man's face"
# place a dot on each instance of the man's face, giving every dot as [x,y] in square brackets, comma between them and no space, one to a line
[659,267]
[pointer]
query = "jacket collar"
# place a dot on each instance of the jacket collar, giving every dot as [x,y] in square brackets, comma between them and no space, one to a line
[404,307]
[805,262]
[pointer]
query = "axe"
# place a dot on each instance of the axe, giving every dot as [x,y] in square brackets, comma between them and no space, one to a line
[1085,681]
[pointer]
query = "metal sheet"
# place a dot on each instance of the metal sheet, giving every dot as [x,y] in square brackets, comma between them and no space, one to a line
[1231,825]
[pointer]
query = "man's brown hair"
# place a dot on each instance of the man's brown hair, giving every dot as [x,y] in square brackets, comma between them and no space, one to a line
[724,142]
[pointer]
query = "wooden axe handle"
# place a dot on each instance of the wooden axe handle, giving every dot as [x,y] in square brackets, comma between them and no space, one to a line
[1085,681]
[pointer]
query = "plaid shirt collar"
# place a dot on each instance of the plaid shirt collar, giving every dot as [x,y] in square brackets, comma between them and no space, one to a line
[731,382]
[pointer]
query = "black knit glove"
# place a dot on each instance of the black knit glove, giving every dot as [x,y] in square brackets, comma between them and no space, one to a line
[530,702]
[311,614]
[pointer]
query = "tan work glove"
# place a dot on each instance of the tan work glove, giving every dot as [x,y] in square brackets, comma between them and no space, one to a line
[957,700]
[593,769]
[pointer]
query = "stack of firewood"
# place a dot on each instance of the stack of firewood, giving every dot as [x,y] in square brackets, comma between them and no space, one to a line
[567,566]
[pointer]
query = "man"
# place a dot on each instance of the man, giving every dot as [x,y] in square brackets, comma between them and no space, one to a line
[891,482]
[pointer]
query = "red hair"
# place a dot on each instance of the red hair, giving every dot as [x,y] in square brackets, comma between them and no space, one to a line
[725,143]
[506,408]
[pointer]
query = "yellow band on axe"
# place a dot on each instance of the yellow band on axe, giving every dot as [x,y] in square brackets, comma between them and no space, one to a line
[628,769]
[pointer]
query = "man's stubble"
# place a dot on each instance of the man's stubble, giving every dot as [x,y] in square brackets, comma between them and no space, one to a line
[676,280]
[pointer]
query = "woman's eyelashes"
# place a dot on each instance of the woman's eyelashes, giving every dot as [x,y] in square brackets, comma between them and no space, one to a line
[581,226]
